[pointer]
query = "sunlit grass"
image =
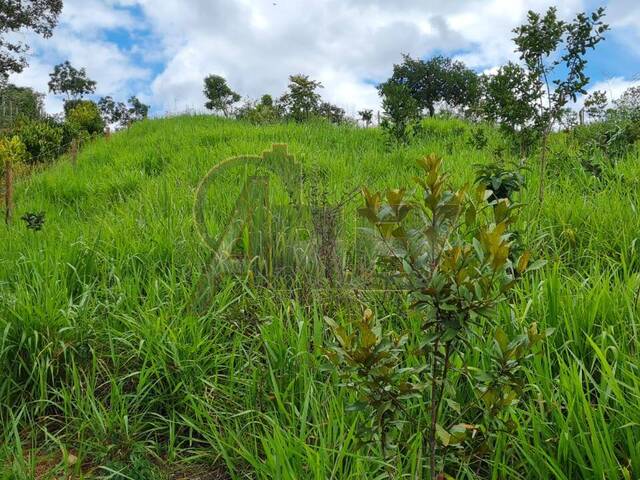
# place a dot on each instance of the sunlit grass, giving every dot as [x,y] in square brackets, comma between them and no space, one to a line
[103,359]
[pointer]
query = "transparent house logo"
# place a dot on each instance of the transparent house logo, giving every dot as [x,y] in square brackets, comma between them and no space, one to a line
[266,218]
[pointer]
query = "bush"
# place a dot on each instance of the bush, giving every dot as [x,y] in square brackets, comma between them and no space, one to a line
[262,113]
[86,117]
[70,105]
[43,139]
[502,182]
[613,137]
[12,149]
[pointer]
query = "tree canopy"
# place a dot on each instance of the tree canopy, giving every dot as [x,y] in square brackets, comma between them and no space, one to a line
[439,79]
[71,82]
[219,95]
[38,16]
[302,100]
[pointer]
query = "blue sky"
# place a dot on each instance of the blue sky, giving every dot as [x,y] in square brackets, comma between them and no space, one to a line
[160,50]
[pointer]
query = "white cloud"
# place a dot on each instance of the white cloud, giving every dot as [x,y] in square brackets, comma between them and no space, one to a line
[346,44]
[256,44]
[89,17]
[624,18]
[80,39]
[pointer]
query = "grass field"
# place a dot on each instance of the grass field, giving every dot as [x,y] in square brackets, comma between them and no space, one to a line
[107,374]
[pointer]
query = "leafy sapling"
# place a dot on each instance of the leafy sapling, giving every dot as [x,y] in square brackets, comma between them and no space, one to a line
[554,54]
[12,151]
[371,366]
[500,181]
[401,112]
[451,251]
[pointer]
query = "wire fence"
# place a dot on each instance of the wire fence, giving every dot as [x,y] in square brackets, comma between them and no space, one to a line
[8,112]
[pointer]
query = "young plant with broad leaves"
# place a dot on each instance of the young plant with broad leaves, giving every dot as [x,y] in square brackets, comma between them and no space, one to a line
[450,251]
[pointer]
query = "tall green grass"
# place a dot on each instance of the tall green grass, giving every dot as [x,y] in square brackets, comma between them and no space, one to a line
[107,372]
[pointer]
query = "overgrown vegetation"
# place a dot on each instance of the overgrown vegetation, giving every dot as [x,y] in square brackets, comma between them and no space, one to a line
[455,265]
[468,332]
[106,369]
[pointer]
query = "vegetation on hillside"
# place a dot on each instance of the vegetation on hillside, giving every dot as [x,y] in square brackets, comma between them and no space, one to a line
[108,370]
[282,294]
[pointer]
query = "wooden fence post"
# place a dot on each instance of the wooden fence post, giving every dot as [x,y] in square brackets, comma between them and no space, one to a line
[8,190]
[107,134]
[74,152]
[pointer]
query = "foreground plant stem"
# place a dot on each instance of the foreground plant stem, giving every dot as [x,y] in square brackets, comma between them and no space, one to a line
[434,410]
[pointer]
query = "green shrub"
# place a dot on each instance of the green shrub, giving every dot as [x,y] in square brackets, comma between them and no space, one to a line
[22,102]
[456,267]
[613,137]
[43,139]
[71,104]
[262,113]
[501,181]
[86,117]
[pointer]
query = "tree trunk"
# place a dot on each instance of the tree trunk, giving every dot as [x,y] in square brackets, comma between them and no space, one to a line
[434,413]
[543,165]
[432,110]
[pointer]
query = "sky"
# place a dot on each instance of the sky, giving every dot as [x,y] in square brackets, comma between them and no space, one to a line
[160,50]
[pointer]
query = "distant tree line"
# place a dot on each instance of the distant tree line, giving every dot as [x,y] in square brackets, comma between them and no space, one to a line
[526,99]
[47,136]
[301,102]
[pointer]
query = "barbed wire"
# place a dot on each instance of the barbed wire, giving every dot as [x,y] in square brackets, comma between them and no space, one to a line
[55,152]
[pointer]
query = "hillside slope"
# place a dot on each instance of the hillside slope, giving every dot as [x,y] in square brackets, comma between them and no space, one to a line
[102,358]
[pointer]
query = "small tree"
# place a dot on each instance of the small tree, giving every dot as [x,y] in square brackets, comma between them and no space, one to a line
[553,52]
[25,102]
[38,16]
[266,111]
[401,111]
[12,151]
[113,112]
[439,79]
[86,118]
[451,251]
[510,97]
[71,82]
[596,105]
[629,103]
[366,116]
[331,112]
[117,113]
[137,110]
[220,97]
[302,100]
[266,100]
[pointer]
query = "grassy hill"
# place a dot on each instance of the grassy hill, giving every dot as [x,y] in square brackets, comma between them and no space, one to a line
[106,372]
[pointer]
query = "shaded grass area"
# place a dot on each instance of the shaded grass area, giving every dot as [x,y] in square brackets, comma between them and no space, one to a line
[108,373]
